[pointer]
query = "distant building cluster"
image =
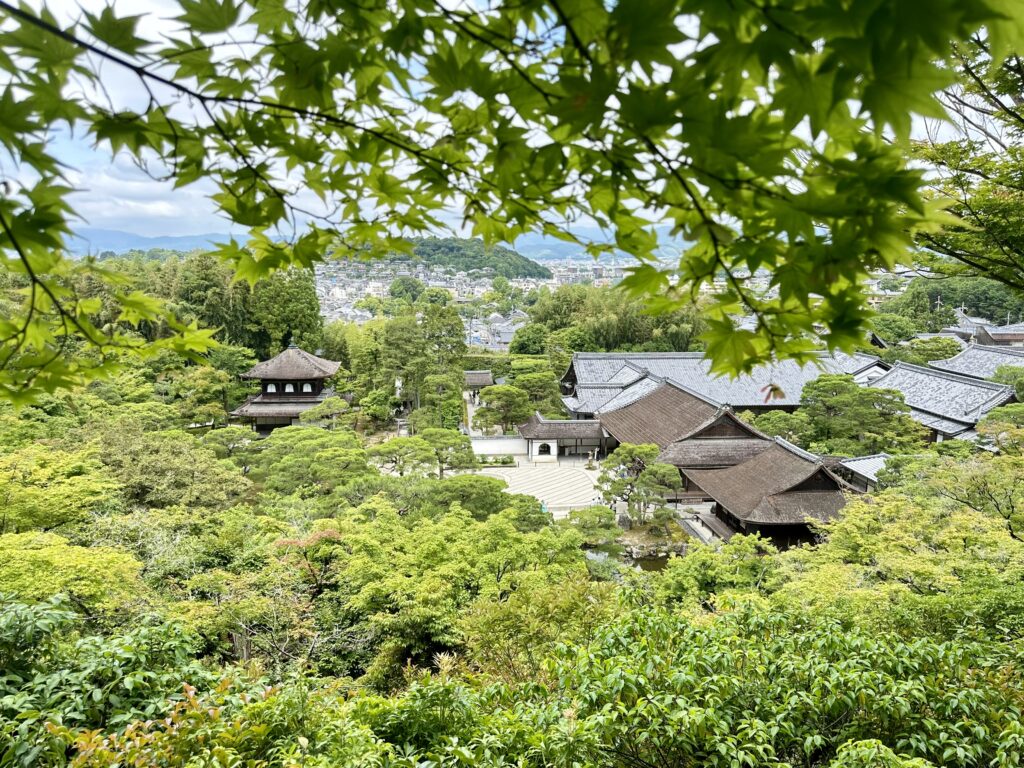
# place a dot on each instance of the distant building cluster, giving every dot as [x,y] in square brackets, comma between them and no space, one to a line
[494,332]
[979,330]
[341,284]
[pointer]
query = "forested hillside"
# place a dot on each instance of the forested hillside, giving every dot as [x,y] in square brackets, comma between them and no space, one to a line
[466,255]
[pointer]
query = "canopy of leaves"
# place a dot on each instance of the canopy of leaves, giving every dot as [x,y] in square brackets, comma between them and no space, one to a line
[525,118]
[977,172]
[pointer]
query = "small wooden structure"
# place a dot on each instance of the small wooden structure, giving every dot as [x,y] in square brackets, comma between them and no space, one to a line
[547,439]
[477,380]
[290,383]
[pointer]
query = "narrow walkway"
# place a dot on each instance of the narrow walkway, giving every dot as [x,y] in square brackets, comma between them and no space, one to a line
[470,412]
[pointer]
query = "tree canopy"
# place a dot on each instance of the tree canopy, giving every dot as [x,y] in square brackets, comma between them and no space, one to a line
[523,118]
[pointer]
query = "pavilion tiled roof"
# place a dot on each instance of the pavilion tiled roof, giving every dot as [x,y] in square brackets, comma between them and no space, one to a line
[659,416]
[279,406]
[766,489]
[692,370]
[980,361]
[293,364]
[946,402]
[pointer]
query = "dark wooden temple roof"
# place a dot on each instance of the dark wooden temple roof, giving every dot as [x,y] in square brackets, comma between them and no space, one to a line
[724,440]
[660,416]
[539,428]
[781,485]
[725,423]
[293,364]
[719,452]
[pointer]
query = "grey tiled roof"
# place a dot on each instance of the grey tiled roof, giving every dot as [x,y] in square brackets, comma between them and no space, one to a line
[630,394]
[590,397]
[867,466]
[692,370]
[980,361]
[627,374]
[946,402]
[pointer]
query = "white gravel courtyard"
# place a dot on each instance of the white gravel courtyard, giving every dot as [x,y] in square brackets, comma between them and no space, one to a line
[561,487]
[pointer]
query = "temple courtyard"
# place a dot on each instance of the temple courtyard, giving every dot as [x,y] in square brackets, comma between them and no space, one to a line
[562,487]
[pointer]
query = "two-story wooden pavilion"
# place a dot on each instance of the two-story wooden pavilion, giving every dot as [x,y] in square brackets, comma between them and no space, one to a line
[290,383]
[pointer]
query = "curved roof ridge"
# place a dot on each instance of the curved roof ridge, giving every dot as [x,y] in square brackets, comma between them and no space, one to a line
[796,450]
[293,363]
[983,383]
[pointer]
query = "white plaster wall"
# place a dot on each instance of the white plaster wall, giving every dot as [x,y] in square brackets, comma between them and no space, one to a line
[499,446]
[548,457]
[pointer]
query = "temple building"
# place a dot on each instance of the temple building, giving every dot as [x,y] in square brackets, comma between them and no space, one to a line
[779,493]
[980,362]
[474,381]
[604,381]
[950,405]
[290,383]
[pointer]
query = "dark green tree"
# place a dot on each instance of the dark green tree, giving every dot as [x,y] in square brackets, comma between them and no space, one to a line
[406,288]
[846,418]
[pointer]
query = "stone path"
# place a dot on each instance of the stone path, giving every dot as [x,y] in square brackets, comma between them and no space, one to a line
[562,488]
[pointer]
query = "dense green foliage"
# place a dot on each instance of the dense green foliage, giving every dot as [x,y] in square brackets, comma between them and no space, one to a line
[586,318]
[178,596]
[524,118]
[263,318]
[928,303]
[318,598]
[838,416]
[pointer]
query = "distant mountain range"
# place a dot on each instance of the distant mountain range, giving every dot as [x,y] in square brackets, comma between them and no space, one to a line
[461,254]
[95,241]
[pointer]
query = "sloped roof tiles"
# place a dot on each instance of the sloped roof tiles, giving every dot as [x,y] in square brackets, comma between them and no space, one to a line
[946,402]
[659,416]
[980,361]
[764,489]
[692,369]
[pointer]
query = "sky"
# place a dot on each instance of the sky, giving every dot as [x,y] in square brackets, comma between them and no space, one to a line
[113,192]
